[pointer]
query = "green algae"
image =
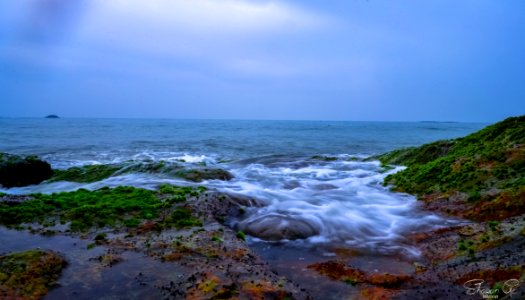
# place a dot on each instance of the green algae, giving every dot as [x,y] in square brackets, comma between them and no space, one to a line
[85,174]
[118,207]
[198,175]
[181,191]
[493,157]
[182,217]
[29,274]
[241,235]
[93,173]
[488,165]
[100,237]
[411,156]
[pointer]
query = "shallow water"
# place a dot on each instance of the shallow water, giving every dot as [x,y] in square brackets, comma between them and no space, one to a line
[271,160]
[136,277]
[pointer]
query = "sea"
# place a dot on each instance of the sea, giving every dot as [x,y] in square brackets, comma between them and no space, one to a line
[276,162]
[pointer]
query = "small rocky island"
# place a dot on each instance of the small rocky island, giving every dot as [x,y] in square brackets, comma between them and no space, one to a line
[52,117]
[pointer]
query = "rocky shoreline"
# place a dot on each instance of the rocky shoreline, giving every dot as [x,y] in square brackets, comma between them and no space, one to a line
[217,263]
[193,230]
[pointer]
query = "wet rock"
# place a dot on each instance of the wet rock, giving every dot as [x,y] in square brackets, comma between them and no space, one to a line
[243,200]
[198,175]
[93,173]
[85,174]
[109,259]
[279,227]
[29,274]
[387,280]
[14,199]
[220,206]
[324,187]
[340,271]
[324,158]
[18,171]
[290,185]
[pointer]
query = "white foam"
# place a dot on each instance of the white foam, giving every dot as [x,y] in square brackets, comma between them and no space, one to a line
[345,199]
[191,158]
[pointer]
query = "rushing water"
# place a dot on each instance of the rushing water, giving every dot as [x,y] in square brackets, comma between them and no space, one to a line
[271,160]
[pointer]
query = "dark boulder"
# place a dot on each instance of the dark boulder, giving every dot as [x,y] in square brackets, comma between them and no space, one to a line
[279,227]
[18,171]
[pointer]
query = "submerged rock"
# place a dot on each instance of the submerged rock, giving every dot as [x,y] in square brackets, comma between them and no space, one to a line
[85,174]
[18,171]
[279,227]
[198,175]
[29,274]
[93,173]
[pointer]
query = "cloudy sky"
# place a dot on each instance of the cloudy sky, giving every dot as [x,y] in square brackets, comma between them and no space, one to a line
[257,59]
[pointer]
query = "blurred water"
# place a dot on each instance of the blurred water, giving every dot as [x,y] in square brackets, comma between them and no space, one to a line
[271,160]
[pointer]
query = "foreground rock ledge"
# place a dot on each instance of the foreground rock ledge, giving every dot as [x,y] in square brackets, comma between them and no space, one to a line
[29,274]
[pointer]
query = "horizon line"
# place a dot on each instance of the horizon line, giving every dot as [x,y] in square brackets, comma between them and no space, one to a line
[247,119]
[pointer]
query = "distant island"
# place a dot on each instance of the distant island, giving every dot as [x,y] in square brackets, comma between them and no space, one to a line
[52,117]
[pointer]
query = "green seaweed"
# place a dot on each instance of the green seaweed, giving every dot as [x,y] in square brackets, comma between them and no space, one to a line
[29,274]
[198,175]
[241,235]
[491,157]
[486,165]
[85,174]
[118,207]
[182,217]
[216,239]
[466,247]
[93,173]
[413,155]
[100,237]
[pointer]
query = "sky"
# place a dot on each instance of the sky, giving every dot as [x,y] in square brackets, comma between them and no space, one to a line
[355,60]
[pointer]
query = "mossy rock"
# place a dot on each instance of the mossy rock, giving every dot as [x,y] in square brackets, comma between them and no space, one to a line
[93,173]
[488,165]
[117,208]
[29,274]
[421,155]
[16,171]
[85,174]
[198,175]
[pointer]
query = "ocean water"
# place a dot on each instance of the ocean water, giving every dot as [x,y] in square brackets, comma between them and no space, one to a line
[271,160]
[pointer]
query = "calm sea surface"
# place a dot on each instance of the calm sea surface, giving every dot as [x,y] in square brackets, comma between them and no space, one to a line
[64,141]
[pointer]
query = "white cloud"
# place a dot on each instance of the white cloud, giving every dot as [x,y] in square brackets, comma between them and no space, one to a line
[226,34]
[187,25]
[211,16]
[203,37]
